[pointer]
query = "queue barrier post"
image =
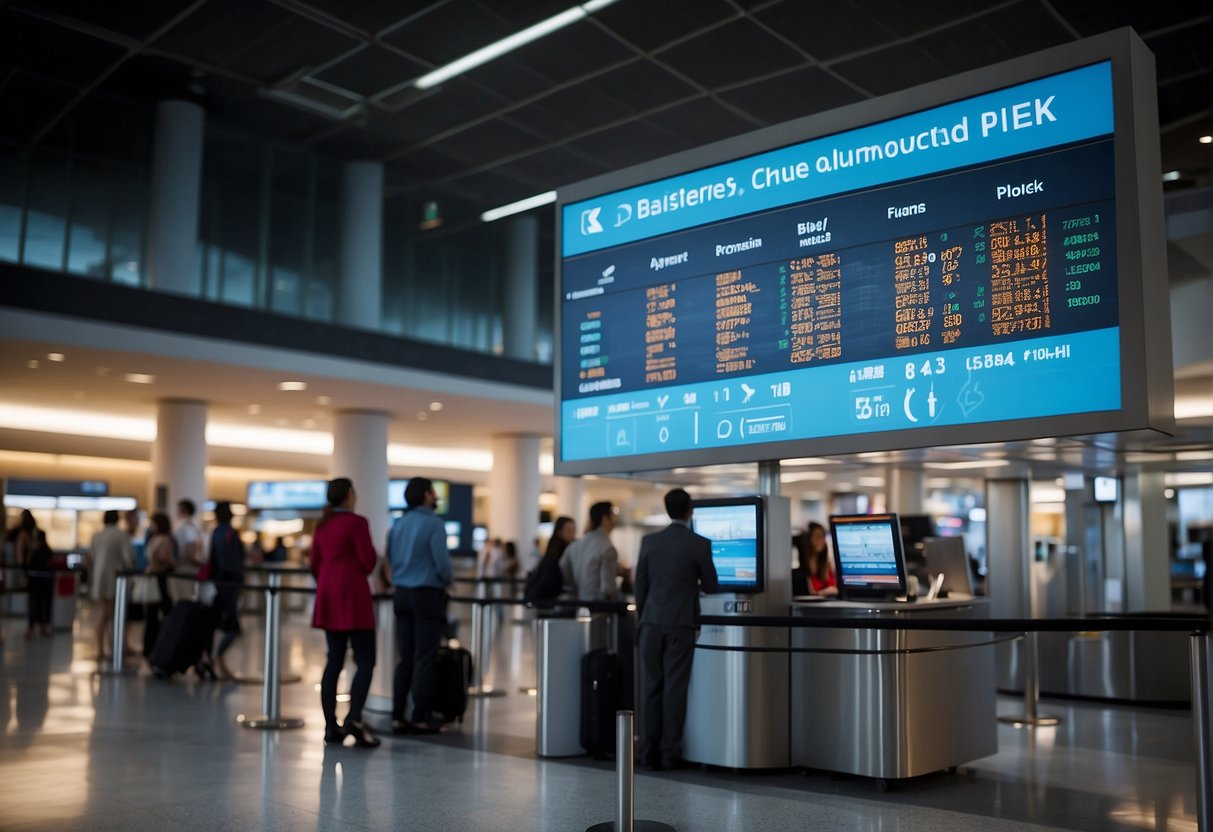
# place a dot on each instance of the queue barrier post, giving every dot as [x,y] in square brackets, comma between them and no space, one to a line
[625,784]
[1031,690]
[481,643]
[1198,652]
[272,718]
[118,631]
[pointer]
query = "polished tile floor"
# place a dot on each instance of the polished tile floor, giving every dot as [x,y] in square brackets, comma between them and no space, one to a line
[83,752]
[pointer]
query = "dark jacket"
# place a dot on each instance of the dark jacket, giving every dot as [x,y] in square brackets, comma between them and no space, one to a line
[673,566]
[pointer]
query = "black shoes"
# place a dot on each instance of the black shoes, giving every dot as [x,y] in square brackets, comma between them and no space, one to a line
[334,735]
[404,728]
[363,738]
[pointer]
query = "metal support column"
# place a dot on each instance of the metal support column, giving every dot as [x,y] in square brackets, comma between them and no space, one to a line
[271,699]
[481,644]
[1031,690]
[1198,650]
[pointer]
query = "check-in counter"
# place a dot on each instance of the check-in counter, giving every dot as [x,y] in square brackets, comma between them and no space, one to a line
[891,704]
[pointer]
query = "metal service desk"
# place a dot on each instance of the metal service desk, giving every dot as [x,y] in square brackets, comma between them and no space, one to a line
[890,704]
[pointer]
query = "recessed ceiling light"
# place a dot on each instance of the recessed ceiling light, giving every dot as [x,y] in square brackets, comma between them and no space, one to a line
[1206,139]
[139,378]
[33,364]
[288,386]
[56,357]
[1170,176]
[435,406]
[324,401]
[254,409]
[422,415]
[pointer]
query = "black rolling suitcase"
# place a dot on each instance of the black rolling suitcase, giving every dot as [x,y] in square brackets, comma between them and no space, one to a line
[184,634]
[602,694]
[452,676]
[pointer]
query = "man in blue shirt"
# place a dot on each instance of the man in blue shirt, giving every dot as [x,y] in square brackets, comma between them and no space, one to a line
[421,571]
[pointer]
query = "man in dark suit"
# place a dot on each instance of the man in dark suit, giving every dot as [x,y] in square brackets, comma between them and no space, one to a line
[674,564]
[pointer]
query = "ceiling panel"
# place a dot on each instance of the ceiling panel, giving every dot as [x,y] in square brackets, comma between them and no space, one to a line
[1183,51]
[630,144]
[992,38]
[52,51]
[1090,17]
[259,40]
[827,30]
[702,121]
[133,18]
[446,31]
[368,15]
[660,23]
[371,70]
[581,49]
[488,141]
[729,54]
[800,92]
[458,102]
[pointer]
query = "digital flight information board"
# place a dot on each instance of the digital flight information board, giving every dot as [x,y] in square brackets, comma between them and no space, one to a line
[973,269]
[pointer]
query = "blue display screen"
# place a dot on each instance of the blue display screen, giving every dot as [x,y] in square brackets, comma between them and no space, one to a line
[858,283]
[868,552]
[736,542]
[288,495]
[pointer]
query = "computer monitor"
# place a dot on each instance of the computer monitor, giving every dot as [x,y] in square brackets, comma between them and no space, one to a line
[946,556]
[869,556]
[734,525]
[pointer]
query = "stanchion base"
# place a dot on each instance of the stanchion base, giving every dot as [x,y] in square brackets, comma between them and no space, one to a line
[485,692]
[265,723]
[284,679]
[638,825]
[1030,721]
[109,671]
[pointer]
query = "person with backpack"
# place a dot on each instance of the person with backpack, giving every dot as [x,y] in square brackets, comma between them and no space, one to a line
[227,571]
[545,582]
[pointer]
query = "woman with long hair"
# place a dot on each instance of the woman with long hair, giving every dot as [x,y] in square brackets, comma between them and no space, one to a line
[342,557]
[157,603]
[816,563]
[18,545]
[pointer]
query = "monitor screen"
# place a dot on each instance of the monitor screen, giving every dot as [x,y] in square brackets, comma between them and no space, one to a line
[957,263]
[1106,489]
[946,556]
[293,495]
[868,553]
[735,528]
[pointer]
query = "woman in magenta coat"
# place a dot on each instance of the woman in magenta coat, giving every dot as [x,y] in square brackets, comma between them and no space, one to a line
[342,556]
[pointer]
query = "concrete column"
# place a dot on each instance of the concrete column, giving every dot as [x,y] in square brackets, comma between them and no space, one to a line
[178,455]
[906,491]
[1147,545]
[514,490]
[570,500]
[521,288]
[176,188]
[360,294]
[360,453]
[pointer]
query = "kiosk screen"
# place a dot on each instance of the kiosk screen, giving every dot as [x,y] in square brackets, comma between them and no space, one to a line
[735,528]
[871,563]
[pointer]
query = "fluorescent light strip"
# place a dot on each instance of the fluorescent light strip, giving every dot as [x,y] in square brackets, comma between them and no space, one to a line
[518,207]
[976,463]
[508,44]
[417,457]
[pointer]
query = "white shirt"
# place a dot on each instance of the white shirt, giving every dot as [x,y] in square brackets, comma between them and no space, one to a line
[188,534]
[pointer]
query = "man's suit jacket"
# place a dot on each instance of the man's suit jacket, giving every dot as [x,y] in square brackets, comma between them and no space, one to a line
[674,564]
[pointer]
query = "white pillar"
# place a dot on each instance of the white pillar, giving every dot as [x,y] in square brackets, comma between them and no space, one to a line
[178,455]
[1147,543]
[360,453]
[514,490]
[905,491]
[522,282]
[176,187]
[360,296]
[570,500]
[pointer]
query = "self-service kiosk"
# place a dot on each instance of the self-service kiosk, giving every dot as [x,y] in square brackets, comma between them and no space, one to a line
[737,704]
